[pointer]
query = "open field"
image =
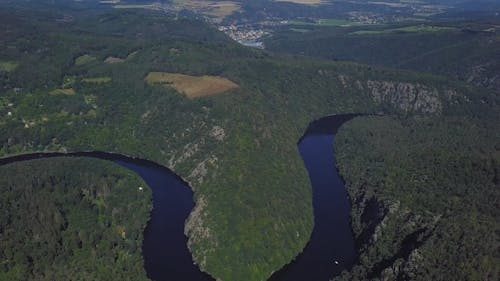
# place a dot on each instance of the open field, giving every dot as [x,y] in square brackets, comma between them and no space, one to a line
[326,22]
[97,80]
[304,2]
[406,29]
[215,9]
[84,59]
[8,66]
[192,86]
[66,92]
[221,10]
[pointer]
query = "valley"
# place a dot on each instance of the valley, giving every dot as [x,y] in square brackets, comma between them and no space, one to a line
[163,84]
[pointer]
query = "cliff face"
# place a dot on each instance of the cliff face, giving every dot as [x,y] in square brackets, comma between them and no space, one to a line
[407,97]
[404,97]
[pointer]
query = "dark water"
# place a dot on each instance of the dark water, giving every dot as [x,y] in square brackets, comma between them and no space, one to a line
[332,238]
[166,256]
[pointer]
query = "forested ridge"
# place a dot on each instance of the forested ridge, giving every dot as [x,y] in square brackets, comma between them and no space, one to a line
[466,50]
[71,219]
[59,92]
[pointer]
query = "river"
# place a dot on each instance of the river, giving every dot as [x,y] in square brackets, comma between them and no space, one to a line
[330,250]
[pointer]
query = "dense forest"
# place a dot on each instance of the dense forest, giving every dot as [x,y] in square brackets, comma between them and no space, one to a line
[425,196]
[71,219]
[73,79]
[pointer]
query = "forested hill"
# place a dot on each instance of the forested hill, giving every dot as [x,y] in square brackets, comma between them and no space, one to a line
[425,195]
[71,219]
[466,50]
[114,80]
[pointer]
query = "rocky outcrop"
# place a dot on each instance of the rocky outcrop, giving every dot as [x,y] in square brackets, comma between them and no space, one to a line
[197,230]
[408,97]
[218,133]
[484,75]
[199,173]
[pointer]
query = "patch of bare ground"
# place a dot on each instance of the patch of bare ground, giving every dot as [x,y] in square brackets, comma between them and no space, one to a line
[192,86]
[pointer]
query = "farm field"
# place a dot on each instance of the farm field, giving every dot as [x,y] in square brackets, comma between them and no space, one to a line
[217,10]
[326,22]
[406,29]
[192,86]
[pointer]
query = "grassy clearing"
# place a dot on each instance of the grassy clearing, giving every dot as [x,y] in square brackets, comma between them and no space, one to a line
[192,86]
[65,92]
[406,29]
[85,59]
[97,80]
[8,66]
